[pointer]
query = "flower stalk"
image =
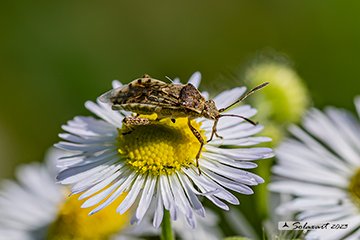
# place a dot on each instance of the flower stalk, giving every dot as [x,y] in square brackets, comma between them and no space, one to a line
[166,230]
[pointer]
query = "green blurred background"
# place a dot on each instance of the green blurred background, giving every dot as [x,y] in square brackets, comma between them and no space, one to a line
[55,55]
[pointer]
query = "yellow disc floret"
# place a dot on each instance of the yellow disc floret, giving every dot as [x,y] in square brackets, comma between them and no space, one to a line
[74,223]
[159,147]
[354,188]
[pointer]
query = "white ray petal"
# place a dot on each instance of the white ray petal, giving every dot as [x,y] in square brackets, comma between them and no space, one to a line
[195,79]
[167,197]
[353,221]
[179,196]
[159,209]
[226,98]
[226,160]
[306,189]
[312,176]
[132,194]
[116,84]
[114,195]
[195,203]
[243,153]
[146,197]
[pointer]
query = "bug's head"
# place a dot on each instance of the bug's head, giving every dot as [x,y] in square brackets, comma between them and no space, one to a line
[210,111]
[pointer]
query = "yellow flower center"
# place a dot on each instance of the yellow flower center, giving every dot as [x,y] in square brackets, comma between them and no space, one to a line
[74,223]
[354,188]
[159,147]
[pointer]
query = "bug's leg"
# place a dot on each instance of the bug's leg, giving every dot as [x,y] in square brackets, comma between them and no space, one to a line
[214,131]
[201,140]
[218,135]
[129,121]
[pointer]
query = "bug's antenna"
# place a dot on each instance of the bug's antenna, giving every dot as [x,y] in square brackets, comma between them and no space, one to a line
[232,115]
[169,79]
[245,96]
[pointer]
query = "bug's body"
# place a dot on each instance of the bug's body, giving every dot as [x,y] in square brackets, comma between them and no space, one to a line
[147,96]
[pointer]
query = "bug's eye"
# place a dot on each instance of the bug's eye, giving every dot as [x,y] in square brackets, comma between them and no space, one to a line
[205,107]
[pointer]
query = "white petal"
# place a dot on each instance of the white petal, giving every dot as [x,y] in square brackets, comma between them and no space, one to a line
[309,154]
[146,197]
[180,199]
[85,140]
[132,195]
[311,175]
[330,213]
[199,209]
[89,126]
[240,131]
[104,111]
[168,197]
[159,209]
[232,185]
[306,189]
[218,203]
[226,98]
[72,175]
[232,173]
[204,181]
[347,124]
[249,141]
[96,178]
[191,221]
[243,153]
[114,174]
[102,195]
[321,127]
[81,160]
[205,95]
[225,122]
[353,221]
[195,79]
[82,147]
[354,236]
[176,81]
[113,196]
[226,160]
[357,104]
[307,203]
[116,84]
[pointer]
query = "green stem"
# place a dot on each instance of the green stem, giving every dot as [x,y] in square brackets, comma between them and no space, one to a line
[166,230]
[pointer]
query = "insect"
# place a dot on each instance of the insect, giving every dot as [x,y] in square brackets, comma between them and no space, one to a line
[147,96]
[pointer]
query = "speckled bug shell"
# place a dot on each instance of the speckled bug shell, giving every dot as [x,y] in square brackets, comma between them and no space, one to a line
[147,96]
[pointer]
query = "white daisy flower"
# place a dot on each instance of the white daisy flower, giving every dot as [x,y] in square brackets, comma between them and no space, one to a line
[29,206]
[322,170]
[35,208]
[108,160]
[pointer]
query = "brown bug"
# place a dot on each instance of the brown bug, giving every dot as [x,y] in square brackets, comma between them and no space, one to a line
[147,96]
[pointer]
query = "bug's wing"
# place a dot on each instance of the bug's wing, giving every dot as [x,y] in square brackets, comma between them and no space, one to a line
[105,98]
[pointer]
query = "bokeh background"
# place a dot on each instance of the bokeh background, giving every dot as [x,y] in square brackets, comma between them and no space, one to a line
[55,55]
